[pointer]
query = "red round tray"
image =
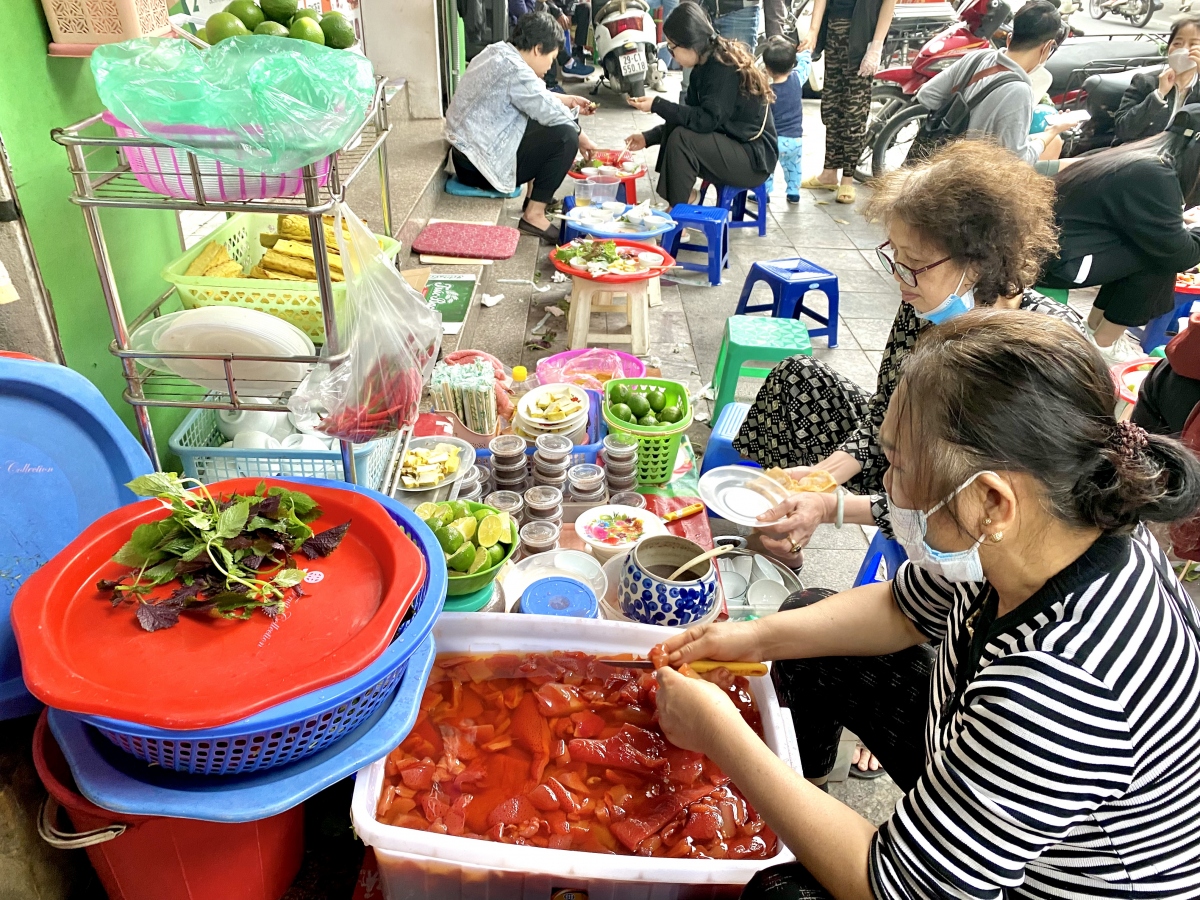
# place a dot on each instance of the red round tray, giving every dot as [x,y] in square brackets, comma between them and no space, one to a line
[617,277]
[611,158]
[81,655]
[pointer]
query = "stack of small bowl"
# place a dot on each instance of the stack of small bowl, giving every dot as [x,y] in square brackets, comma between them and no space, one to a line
[543,519]
[510,465]
[587,483]
[551,459]
[510,502]
[620,462]
[472,484]
[530,422]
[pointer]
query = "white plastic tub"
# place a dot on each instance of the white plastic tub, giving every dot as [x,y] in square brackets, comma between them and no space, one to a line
[415,865]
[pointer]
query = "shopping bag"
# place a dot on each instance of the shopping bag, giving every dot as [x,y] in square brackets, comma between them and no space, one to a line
[388,341]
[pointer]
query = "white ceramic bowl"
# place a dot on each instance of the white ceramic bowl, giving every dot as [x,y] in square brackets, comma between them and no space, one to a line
[586,528]
[630,165]
[649,258]
[607,170]
[578,263]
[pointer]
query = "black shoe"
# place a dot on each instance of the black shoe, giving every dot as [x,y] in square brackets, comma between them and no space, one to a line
[549,235]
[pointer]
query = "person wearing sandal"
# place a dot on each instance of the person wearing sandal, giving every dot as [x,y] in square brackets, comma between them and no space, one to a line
[505,128]
[1047,746]
[851,34]
[725,134]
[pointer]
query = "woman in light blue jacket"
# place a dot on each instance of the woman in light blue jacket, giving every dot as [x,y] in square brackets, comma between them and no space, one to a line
[505,128]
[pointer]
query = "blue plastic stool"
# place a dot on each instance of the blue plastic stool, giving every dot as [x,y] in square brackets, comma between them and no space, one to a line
[734,200]
[884,554]
[714,222]
[1154,333]
[566,231]
[719,450]
[789,280]
[458,189]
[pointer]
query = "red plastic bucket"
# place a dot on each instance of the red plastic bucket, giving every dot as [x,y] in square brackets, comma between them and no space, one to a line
[156,858]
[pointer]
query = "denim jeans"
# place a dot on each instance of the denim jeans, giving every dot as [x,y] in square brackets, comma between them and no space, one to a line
[739,25]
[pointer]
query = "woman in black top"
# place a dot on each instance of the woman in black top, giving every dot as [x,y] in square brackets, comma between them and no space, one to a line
[1152,97]
[725,133]
[1122,227]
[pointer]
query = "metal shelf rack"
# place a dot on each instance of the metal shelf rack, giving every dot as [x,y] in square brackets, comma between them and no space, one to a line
[104,180]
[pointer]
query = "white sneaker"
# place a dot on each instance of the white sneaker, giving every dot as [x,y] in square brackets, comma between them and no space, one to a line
[1124,349]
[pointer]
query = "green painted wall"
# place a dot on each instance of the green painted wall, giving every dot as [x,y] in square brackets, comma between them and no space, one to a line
[38,93]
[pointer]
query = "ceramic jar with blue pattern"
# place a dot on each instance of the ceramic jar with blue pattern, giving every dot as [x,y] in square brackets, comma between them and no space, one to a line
[647,596]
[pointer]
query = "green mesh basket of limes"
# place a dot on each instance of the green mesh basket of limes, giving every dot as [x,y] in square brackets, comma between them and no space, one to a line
[655,411]
[477,540]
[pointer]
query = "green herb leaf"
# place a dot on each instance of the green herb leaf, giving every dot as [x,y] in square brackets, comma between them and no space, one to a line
[288,578]
[134,557]
[201,522]
[150,536]
[163,572]
[233,520]
[261,489]
[157,484]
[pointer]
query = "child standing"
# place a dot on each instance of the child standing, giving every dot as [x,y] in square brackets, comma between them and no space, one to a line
[780,58]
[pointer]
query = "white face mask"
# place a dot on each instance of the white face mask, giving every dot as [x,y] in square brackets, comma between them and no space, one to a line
[1180,61]
[1042,79]
[910,525]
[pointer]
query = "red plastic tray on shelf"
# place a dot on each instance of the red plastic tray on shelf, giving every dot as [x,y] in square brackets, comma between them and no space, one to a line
[81,655]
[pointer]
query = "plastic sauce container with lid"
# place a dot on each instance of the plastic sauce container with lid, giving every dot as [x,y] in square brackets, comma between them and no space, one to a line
[557,481]
[594,497]
[619,467]
[553,448]
[560,597]
[629,498]
[617,446]
[538,536]
[505,501]
[543,498]
[586,476]
[507,447]
[548,466]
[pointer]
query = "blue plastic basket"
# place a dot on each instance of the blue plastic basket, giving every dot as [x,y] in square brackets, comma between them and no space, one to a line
[198,441]
[583,453]
[304,725]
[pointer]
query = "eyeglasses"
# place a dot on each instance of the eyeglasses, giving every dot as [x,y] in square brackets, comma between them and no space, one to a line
[672,46]
[905,274]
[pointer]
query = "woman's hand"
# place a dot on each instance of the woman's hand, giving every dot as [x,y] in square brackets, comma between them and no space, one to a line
[640,103]
[732,641]
[693,713]
[807,42]
[871,59]
[1166,81]
[791,524]
[635,142]
[570,101]
[587,145]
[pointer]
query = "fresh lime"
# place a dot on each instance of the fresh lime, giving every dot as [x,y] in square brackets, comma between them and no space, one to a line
[307,30]
[657,399]
[670,414]
[506,528]
[445,515]
[619,394]
[481,514]
[466,526]
[247,11]
[490,531]
[648,419]
[460,560]
[621,411]
[496,553]
[482,560]
[223,25]
[460,508]
[339,33]
[274,29]
[451,539]
[639,405]
[306,14]
[279,10]
[425,511]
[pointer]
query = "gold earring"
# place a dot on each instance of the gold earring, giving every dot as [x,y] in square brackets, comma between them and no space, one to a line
[997,537]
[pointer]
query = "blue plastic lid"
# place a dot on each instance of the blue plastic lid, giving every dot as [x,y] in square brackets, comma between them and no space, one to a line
[560,597]
[65,458]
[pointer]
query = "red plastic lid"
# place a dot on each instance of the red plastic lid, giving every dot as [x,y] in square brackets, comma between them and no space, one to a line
[81,655]
[618,277]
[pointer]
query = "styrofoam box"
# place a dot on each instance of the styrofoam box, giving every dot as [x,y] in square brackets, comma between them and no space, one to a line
[416,865]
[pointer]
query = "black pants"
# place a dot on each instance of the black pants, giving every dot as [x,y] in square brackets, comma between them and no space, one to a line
[882,699]
[581,18]
[544,157]
[718,158]
[1130,294]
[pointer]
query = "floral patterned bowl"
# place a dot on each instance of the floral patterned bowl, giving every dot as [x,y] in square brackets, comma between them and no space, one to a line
[647,596]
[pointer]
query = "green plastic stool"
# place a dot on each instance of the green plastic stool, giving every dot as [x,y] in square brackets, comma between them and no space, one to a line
[754,339]
[1059,294]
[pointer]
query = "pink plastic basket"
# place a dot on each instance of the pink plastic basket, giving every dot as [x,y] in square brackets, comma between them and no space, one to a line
[165,170]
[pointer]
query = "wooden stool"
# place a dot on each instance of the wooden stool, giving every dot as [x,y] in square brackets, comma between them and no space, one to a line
[589,297]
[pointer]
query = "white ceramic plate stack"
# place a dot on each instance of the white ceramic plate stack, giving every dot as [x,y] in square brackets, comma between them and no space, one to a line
[530,423]
[225,329]
[740,493]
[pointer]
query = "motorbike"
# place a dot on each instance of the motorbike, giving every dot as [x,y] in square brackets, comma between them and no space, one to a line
[1137,12]
[625,47]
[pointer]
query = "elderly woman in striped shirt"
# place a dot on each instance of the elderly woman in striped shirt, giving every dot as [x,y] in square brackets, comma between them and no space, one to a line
[1049,744]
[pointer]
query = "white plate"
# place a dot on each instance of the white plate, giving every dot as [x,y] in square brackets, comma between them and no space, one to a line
[652,526]
[531,413]
[740,493]
[145,338]
[466,459]
[243,331]
[610,603]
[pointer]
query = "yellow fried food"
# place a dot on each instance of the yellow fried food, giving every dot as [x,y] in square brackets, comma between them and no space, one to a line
[274,261]
[213,254]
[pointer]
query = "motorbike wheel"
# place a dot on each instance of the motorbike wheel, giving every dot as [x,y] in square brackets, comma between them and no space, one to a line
[886,101]
[895,138]
[1145,11]
[1096,9]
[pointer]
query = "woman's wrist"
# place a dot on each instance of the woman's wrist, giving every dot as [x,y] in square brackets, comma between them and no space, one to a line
[841,465]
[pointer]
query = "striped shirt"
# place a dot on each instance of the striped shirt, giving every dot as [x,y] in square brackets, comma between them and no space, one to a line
[1063,739]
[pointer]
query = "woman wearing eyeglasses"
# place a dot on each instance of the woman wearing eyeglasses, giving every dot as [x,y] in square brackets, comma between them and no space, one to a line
[969,227]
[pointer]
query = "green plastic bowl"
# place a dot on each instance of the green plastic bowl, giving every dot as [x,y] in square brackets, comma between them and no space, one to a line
[457,585]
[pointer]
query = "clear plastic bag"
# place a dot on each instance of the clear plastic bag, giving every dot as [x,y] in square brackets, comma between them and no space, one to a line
[590,369]
[389,340]
[267,104]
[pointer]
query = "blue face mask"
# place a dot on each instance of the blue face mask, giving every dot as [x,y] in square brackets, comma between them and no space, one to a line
[910,525]
[952,307]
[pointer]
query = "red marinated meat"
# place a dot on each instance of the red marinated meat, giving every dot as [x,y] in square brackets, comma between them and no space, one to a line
[630,748]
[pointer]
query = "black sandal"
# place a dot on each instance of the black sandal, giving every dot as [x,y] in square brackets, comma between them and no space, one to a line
[549,235]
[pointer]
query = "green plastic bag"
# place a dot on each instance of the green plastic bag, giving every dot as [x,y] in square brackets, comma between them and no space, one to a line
[262,103]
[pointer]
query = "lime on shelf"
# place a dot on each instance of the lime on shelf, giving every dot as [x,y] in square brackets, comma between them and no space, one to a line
[490,531]
[307,30]
[466,526]
[274,29]
[621,411]
[306,14]
[495,554]
[648,420]
[670,415]
[482,560]
[639,405]
[426,511]
[462,558]
[339,33]
[619,394]
[279,10]
[247,11]
[223,25]
[451,539]
[657,400]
